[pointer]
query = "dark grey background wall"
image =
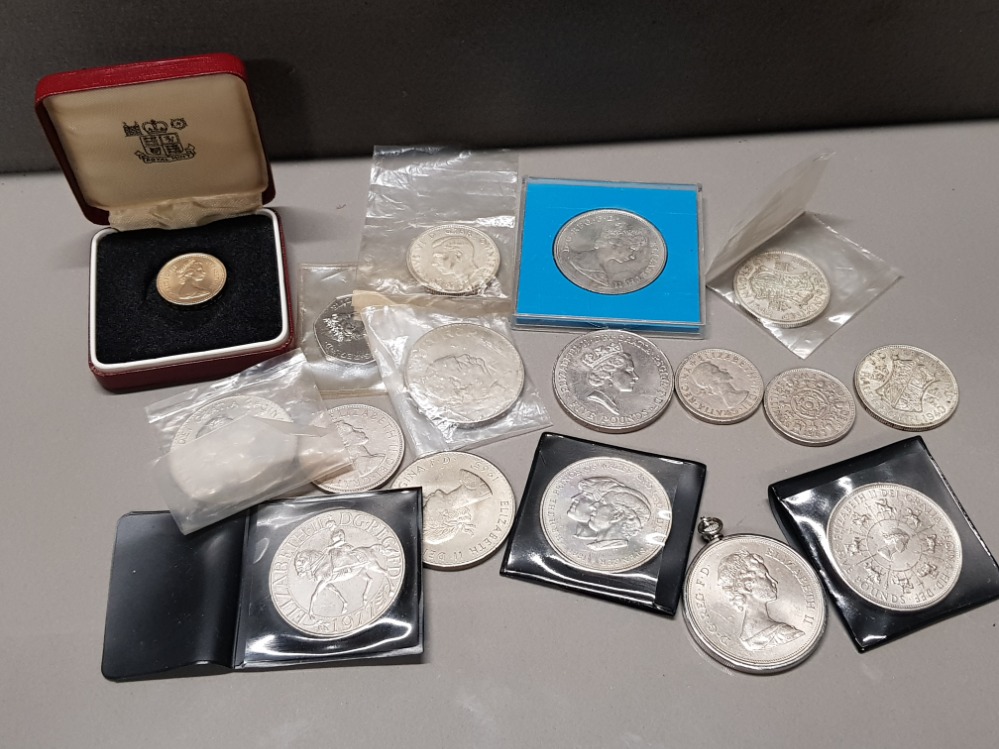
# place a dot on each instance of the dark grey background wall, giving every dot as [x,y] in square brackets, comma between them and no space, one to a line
[333,78]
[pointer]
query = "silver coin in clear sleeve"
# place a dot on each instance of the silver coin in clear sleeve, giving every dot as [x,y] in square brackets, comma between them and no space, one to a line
[340,333]
[809,406]
[453,259]
[719,386]
[217,413]
[337,573]
[610,251]
[613,380]
[606,515]
[468,507]
[464,374]
[906,387]
[894,546]
[782,288]
[374,443]
[753,604]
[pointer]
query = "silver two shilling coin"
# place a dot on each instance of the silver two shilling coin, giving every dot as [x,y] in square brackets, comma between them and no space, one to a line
[894,547]
[751,602]
[374,443]
[782,288]
[464,374]
[606,515]
[468,507]
[906,387]
[809,406]
[719,386]
[613,380]
[453,259]
[610,251]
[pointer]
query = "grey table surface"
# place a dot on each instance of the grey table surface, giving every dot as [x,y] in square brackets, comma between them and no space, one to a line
[509,663]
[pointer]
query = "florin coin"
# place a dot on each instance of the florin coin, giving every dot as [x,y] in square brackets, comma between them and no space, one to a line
[613,380]
[752,603]
[906,387]
[340,333]
[809,407]
[337,573]
[374,443]
[719,386]
[782,288]
[606,514]
[192,278]
[464,374]
[894,546]
[468,507]
[610,251]
[453,259]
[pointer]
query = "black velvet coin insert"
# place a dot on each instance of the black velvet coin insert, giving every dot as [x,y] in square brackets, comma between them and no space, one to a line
[133,323]
[601,522]
[910,564]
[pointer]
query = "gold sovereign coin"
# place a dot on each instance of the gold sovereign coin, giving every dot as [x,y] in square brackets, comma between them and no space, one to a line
[190,279]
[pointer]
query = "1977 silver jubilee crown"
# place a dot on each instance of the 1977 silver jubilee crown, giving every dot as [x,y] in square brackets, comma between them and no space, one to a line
[719,386]
[374,443]
[894,546]
[337,573]
[606,514]
[453,259]
[751,602]
[340,333]
[464,374]
[782,288]
[468,507]
[809,406]
[613,380]
[610,251]
[906,387]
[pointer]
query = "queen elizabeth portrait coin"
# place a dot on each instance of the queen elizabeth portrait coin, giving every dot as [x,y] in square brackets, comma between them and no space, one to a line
[464,374]
[453,259]
[719,386]
[782,288]
[752,603]
[468,507]
[613,380]
[606,515]
[894,546]
[340,333]
[809,406]
[190,279]
[337,573]
[906,387]
[609,251]
[374,443]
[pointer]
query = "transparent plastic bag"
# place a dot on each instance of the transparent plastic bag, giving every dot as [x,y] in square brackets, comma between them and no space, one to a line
[233,443]
[455,377]
[797,277]
[440,221]
[331,333]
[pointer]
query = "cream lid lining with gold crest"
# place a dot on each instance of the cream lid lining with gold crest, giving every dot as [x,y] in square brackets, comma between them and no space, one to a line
[164,154]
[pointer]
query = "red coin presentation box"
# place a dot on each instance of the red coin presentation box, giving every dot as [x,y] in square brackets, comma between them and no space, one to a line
[167,156]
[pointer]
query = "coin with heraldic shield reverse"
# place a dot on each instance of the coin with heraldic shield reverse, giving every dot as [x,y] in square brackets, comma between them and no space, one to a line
[751,602]
[191,279]
[374,443]
[337,573]
[719,386]
[464,374]
[340,333]
[610,251]
[453,259]
[613,380]
[468,507]
[809,406]
[782,288]
[906,387]
[606,515]
[894,546]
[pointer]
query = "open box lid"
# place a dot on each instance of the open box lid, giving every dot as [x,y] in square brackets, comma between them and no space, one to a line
[168,144]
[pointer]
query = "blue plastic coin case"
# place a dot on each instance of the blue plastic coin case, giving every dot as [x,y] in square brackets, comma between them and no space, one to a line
[672,304]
